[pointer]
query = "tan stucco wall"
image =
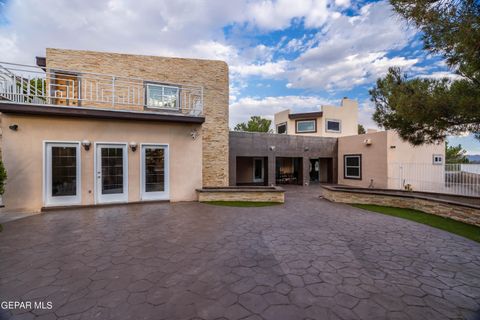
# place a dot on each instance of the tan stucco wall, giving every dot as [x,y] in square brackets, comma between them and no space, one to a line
[347,113]
[381,161]
[212,75]
[22,153]
[417,164]
[374,159]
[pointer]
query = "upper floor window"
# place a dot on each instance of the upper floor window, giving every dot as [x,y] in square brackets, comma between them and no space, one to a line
[162,96]
[437,159]
[333,125]
[352,166]
[282,128]
[306,126]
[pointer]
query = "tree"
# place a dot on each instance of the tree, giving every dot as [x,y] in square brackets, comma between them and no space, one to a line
[361,129]
[255,124]
[455,154]
[427,110]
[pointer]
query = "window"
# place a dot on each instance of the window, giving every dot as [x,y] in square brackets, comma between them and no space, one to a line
[154,170]
[62,173]
[352,166]
[282,128]
[333,126]
[306,126]
[162,97]
[437,159]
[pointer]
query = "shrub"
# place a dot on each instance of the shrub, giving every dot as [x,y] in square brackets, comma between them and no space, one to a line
[3,177]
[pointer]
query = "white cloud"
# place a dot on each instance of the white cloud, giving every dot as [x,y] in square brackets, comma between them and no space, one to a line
[244,108]
[352,50]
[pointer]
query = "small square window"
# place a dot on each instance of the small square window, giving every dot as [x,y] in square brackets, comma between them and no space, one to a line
[437,159]
[333,126]
[352,166]
[306,126]
[282,128]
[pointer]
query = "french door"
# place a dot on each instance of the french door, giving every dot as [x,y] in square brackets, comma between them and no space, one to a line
[111,172]
[154,172]
[62,173]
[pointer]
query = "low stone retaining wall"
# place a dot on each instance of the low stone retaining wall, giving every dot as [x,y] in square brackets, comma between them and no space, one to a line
[461,211]
[253,194]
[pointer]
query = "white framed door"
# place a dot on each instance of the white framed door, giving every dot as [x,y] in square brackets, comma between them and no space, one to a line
[154,172]
[62,185]
[258,173]
[111,172]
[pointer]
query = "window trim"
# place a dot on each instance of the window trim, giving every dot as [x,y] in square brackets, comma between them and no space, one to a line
[333,120]
[162,85]
[435,162]
[305,120]
[345,156]
[48,200]
[281,124]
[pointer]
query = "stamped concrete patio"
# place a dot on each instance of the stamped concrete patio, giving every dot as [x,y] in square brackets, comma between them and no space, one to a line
[307,259]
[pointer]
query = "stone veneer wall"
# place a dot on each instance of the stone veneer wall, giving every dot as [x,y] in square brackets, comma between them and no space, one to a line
[212,75]
[467,214]
[253,196]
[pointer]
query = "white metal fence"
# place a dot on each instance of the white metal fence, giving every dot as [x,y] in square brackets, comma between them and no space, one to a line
[462,179]
[32,85]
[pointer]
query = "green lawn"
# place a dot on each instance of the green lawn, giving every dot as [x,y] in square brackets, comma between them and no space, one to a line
[453,226]
[242,203]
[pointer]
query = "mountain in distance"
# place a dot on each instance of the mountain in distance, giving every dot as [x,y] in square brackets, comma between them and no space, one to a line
[473,158]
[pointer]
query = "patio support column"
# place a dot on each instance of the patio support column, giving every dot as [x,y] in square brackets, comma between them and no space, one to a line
[306,171]
[232,172]
[271,170]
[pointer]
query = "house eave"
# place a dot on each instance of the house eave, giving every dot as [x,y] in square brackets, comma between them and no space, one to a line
[95,113]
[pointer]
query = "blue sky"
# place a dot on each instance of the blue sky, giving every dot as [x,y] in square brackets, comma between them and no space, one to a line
[282,54]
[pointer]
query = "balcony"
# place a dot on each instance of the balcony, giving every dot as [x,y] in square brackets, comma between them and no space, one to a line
[72,91]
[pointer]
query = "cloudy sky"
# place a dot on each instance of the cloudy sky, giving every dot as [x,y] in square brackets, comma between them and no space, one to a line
[296,54]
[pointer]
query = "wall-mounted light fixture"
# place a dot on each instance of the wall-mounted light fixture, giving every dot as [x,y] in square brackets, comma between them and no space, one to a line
[271,148]
[133,146]
[306,149]
[86,145]
[13,127]
[194,134]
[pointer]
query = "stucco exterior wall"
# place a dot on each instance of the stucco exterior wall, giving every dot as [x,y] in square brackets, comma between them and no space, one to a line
[211,75]
[392,162]
[374,159]
[347,113]
[22,152]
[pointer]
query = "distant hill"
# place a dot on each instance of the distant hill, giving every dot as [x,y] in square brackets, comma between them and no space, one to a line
[474,158]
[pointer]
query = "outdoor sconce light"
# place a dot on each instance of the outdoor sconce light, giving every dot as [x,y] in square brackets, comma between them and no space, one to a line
[133,146]
[13,127]
[306,149]
[194,134]
[271,148]
[86,145]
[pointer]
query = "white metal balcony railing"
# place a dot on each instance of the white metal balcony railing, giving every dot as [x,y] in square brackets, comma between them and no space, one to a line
[32,85]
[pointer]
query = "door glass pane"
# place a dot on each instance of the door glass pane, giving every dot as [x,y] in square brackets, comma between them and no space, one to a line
[64,171]
[258,169]
[112,170]
[154,170]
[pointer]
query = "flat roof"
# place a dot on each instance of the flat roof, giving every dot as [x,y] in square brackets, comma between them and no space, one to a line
[316,114]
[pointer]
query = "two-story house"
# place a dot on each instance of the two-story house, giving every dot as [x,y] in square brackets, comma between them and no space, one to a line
[329,121]
[86,128]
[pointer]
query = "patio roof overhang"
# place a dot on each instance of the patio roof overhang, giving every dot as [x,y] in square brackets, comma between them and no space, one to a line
[76,112]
